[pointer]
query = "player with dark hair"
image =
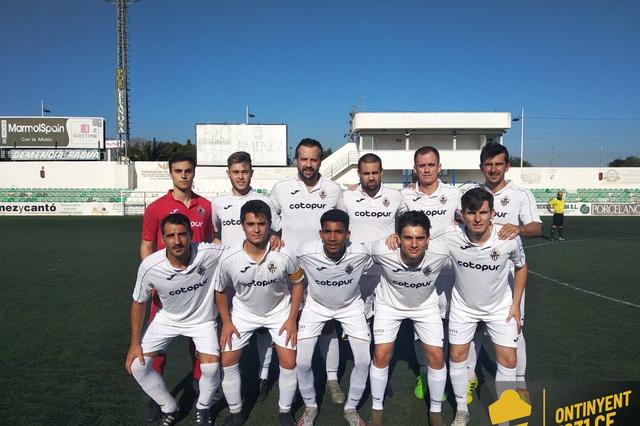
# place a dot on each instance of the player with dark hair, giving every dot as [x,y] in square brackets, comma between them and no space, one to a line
[179,199]
[260,278]
[300,201]
[333,268]
[180,275]
[407,291]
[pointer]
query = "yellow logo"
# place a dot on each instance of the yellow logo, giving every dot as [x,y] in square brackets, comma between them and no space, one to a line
[509,407]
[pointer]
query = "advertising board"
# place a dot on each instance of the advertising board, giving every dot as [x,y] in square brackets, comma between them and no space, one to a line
[52,132]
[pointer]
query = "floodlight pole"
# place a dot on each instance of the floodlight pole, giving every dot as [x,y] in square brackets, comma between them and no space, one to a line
[41,107]
[246,115]
[521,138]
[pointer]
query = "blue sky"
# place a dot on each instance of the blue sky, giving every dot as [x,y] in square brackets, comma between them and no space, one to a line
[573,65]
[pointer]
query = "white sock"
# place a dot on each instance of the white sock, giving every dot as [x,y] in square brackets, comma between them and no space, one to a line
[153,384]
[231,384]
[474,353]
[209,382]
[359,373]
[265,352]
[287,384]
[330,351]
[421,356]
[521,362]
[505,379]
[304,372]
[378,378]
[437,380]
[459,380]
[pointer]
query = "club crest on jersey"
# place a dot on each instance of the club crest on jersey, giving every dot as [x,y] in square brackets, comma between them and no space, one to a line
[348,269]
[386,202]
[427,271]
[201,270]
[505,201]
[495,254]
[272,267]
[323,194]
[200,211]
[443,200]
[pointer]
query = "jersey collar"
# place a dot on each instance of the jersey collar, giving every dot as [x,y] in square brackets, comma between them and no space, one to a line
[318,185]
[504,188]
[378,194]
[251,191]
[250,260]
[435,193]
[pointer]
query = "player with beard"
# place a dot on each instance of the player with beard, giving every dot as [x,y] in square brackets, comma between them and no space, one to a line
[260,278]
[517,211]
[180,199]
[181,275]
[300,201]
[226,220]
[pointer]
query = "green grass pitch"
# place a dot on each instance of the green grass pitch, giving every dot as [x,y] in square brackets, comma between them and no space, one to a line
[66,291]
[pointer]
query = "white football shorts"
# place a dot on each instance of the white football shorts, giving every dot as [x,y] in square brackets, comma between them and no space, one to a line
[246,323]
[352,319]
[427,324]
[158,336]
[462,327]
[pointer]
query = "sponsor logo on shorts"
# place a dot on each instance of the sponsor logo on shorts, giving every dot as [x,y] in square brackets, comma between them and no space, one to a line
[311,206]
[231,222]
[182,290]
[411,285]
[367,213]
[478,266]
[378,331]
[259,283]
[243,270]
[334,283]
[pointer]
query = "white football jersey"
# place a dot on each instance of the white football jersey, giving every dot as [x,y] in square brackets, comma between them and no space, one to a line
[372,218]
[333,284]
[300,209]
[226,216]
[404,287]
[440,206]
[260,287]
[482,271]
[186,295]
[514,205]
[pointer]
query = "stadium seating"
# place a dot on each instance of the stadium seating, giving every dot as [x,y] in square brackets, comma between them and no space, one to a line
[589,195]
[57,195]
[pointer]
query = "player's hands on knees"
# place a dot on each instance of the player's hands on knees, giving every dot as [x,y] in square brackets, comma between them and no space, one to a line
[275,243]
[514,313]
[509,231]
[291,328]
[135,351]
[393,241]
[228,330]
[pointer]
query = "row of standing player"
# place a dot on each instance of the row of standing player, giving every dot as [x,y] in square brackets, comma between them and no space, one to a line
[371,207]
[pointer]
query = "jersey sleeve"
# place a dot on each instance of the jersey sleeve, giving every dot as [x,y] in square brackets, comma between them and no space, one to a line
[340,201]
[529,209]
[150,224]
[143,287]
[215,219]
[274,200]
[221,278]
[209,229]
[294,271]
[276,222]
[517,253]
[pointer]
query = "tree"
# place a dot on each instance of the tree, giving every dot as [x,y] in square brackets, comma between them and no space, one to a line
[327,152]
[515,162]
[631,161]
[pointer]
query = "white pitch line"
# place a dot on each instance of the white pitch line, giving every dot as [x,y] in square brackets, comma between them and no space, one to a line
[556,243]
[592,293]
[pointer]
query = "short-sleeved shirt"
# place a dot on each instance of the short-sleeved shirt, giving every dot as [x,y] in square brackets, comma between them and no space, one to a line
[300,209]
[440,206]
[514,205]
[557,206]
[333,284]
[260,287]
[226,216]
[482,271]
[186,295]
[405,287]
[198,212]
[372,218]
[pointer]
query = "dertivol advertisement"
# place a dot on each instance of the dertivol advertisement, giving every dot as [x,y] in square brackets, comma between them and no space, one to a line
[52,132]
